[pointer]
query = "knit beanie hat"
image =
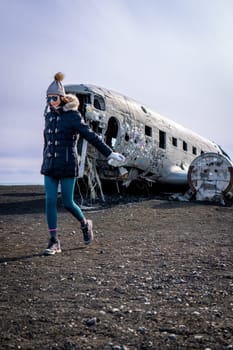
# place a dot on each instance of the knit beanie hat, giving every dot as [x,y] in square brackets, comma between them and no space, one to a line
[56,87]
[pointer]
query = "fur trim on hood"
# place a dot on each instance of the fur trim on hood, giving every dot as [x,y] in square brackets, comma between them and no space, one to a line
[72,103]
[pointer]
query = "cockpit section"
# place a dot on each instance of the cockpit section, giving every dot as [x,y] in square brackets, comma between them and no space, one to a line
[93,165]
[92,107]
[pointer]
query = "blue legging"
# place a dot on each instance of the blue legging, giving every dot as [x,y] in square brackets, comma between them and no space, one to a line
[67,190]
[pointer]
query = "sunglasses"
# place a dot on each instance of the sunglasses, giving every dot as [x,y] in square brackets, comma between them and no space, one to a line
[52,98]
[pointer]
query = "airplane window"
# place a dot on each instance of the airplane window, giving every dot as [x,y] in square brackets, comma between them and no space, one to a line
[174,141]
[185,146]
[162,139]
[143,109]
[99,103]
[148,130]
[126,137]
[194,150]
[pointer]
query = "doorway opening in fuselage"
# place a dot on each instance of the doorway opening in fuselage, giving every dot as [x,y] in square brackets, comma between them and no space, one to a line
[112,132]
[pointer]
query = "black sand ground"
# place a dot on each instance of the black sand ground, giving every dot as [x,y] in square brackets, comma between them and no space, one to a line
[159,275]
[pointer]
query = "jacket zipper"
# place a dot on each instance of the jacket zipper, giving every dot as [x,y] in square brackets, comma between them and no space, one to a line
[67,154]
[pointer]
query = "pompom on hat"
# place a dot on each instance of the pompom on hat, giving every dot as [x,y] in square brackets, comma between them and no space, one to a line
[56,87]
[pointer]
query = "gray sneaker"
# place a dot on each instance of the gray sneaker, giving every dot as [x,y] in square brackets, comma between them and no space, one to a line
[87,232]
[53,247]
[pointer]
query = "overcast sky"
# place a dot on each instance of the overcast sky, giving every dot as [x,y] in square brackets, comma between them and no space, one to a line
[174,56]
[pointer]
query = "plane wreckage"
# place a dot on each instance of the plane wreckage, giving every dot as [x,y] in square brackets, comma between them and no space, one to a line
[157,150]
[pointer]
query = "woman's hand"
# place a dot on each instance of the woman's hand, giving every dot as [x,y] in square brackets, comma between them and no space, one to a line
[118,157]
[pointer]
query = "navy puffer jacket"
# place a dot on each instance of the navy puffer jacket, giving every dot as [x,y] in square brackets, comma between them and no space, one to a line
[62,127]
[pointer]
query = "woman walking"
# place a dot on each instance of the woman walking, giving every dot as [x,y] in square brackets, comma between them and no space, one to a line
[63,124]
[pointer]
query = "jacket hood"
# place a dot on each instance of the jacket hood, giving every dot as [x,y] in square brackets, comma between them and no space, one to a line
[72,104]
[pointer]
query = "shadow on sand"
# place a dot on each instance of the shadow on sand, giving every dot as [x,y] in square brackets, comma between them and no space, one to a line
[31,256]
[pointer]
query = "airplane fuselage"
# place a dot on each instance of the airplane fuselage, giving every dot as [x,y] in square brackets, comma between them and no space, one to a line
[156,148]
